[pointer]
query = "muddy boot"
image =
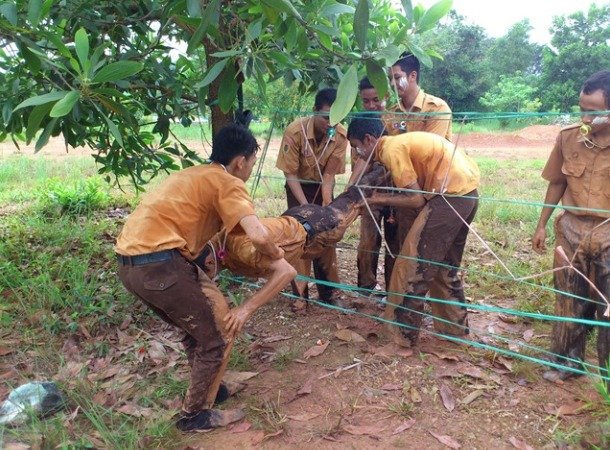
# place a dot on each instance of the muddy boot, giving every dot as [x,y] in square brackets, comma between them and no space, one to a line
[207,419]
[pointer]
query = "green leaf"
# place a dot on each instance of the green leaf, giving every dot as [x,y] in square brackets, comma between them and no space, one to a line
[31,59]
[7,112]
[210,15]
[390,54]
[213,73]
[34,10]
[9,11]
[44,136]
[46,7]
[433,15]
[378,77]
[361,23]
[407,5]
[227,91]
[81,41]
[114,130]
[334,8]
[346,96]
[42,99]
[227,53]
[117,71]
[283,6]
[35,118]
[421,55]
[254,30]
[65,105]
[194,8]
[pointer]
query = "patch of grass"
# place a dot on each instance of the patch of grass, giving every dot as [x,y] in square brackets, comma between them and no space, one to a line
[283,357]
[74,199]
[268,415]
[403,408]
[239,359]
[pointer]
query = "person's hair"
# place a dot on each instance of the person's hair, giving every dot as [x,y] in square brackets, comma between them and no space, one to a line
[233,141]
[325,97]
[365,83]
[363,125]
[598,81]
[408,63]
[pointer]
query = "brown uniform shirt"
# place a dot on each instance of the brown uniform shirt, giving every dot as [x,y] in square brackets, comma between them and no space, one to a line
[244,259]
[430,160]
[436,122]
[185,212]
[300,155]
[586,169]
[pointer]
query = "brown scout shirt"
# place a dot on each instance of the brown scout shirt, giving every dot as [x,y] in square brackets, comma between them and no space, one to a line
[185,212]
[244,259]
[436,123]
[586,169]
[430,160]
[299,152]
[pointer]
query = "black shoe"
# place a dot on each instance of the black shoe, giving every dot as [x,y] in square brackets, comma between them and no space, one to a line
[208,419]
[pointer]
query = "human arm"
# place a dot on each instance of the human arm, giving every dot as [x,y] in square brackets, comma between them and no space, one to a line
[281,273]
[259,235]
[554,193]
[404,199]
[357,171]
[295,187]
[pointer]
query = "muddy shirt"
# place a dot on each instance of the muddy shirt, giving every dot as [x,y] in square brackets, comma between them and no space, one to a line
[430,160]
[185,212]
[436,122]
[585,166]
[300,155]
[241,257]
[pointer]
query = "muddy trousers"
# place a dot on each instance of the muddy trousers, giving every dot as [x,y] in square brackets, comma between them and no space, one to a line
[182,295]
[429,261]
[586,241]
[324,266]
[369,245]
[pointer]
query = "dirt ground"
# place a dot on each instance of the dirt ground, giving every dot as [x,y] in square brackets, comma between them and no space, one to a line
[333,380]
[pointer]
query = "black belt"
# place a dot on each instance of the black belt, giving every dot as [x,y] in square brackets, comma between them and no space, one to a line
[147,258]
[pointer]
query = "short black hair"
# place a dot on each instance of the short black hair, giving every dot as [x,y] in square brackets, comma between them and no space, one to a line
[325,97]
[408,63]
[363,125]
[598,81]
[233,141]
[365,83]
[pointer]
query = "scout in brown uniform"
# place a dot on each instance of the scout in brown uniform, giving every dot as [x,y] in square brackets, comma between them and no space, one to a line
[578,172]
[156,249]
[311,154]
[369,244]
[421,111]
[432,251]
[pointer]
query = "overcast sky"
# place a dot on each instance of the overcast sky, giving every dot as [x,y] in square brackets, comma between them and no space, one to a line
[497,16]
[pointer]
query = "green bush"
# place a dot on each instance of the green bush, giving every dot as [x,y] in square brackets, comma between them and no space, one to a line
[74,199]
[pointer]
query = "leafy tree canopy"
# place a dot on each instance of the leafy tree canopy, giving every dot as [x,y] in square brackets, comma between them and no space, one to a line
[98,71]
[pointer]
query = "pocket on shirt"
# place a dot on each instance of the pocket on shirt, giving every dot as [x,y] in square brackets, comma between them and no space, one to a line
[573,168]
[162,283]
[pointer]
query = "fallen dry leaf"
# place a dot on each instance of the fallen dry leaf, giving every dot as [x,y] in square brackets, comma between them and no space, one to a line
[131,409]
[156,351]
[528,335]
[415,397]
[275,338]
[363,430]
[473,372]
[519,444]
[504,362]
[472,397]
[232,376]
[507,318]
[303,417]
[446,440]
[349,336]
[440,355]
[125,323]
[6,351]
[447,397]
[404,426]
[241,427]
[570,409]
[392,350]
[16,446]
[307,387]
[316,350]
